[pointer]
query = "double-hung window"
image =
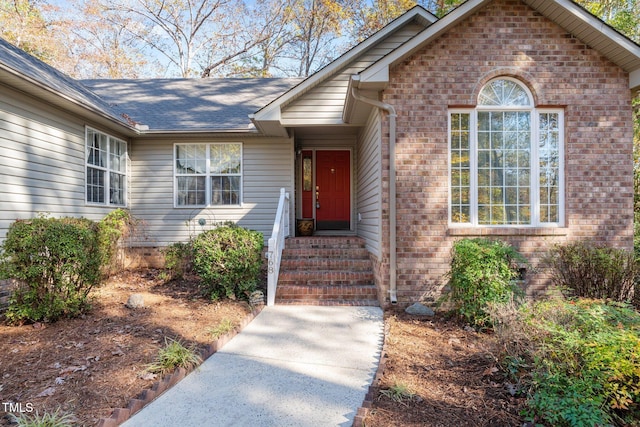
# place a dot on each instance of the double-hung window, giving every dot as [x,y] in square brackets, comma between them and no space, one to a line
[106,169]
[506,160]
[208,174]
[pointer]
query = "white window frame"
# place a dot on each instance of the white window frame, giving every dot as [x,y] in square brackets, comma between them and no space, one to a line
[208,175]
[107,169]
[534,183]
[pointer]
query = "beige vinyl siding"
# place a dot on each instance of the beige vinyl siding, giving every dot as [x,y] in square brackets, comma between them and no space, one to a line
[41,162]
[324,103]
[267,166]
[369,171]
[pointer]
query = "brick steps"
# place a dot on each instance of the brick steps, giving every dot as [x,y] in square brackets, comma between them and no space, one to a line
[326,264]
[327,292]
[326,271]
[325,242]
[325,277]
[357,254]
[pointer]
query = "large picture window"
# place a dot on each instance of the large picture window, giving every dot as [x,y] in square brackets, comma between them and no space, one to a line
[208,174]
[506,160]
[106,169]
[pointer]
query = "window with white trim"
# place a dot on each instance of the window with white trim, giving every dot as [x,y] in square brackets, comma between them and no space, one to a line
[208,174]
[106,169]
[506,160]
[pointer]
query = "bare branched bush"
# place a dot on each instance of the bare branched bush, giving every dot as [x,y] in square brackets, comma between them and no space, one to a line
[514,335]
[586,270]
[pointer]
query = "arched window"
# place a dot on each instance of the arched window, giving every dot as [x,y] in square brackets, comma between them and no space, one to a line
[506,160]
[504,93]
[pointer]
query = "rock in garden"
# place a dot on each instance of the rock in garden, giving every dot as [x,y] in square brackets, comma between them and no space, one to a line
[50,391]
[256,298]
[135,301]
[38,325]
[419,309]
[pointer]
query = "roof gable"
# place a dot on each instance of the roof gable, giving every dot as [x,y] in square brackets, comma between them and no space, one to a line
[268,117]
[594,32]
[573,18]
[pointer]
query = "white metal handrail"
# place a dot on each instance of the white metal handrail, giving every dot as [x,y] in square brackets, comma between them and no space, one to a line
[276,245]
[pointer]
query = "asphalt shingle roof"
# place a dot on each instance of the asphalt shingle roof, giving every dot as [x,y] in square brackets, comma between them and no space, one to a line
[191,104]
[181,105]
[39,72]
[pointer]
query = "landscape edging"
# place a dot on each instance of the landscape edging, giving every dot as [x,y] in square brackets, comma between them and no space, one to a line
[374,388]
[120,415]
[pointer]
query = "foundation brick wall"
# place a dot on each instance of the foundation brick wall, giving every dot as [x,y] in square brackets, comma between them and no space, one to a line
[7,287]
[142,257]
[507,38]
[380,273]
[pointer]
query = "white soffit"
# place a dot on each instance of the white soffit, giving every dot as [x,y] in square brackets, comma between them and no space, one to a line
[634,80]
[592,31]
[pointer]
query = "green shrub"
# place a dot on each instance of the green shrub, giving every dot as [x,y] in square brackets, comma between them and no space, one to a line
[178,259]
[583,360]
[636,224]
[482,272]
[562,399]
[56,261]
[112,228]
[636,237]
[585,270]
[596,345]
[228,259]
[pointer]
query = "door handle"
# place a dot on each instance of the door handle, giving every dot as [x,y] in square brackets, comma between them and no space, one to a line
[317,197]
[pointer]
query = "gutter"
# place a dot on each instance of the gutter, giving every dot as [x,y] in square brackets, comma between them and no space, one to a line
[393,294]
[160,132]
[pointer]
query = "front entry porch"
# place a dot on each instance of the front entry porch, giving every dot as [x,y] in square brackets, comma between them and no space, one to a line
[326,271]
[330,264]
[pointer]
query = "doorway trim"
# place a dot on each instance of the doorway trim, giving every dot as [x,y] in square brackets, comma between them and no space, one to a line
[305,152]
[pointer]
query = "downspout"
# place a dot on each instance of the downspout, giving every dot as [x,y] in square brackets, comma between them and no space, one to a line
[393,294]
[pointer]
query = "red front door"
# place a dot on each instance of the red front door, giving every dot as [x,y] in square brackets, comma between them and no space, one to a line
[333,190]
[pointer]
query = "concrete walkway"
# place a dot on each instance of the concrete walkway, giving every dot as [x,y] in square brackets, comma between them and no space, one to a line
[291,366]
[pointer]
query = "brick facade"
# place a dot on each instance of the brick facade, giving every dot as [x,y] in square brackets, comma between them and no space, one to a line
[507,38]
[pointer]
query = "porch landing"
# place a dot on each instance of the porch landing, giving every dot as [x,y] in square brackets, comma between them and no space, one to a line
[326,270]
